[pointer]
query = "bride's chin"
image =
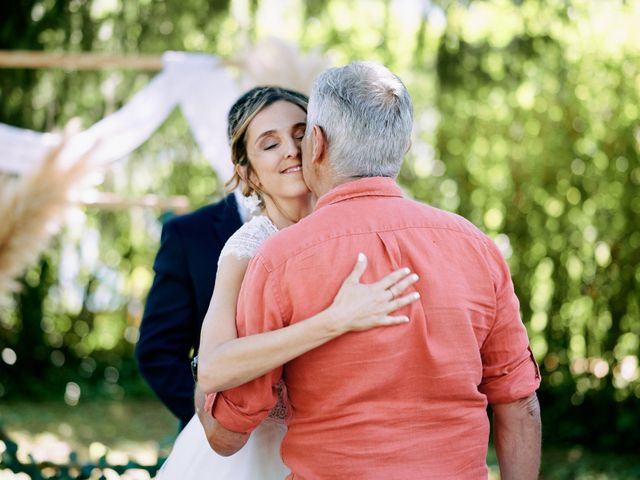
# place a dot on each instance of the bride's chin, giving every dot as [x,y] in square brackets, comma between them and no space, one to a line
[300,192]
[294,199]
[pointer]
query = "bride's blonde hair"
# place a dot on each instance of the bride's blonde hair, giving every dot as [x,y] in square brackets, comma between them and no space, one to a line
[240,116]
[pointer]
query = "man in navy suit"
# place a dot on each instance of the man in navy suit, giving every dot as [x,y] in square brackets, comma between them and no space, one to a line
[185,272]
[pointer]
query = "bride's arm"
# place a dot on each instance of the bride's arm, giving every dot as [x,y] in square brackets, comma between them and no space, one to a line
[226,361]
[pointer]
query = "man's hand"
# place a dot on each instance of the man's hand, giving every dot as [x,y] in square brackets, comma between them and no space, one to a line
[224,442]
[517,438]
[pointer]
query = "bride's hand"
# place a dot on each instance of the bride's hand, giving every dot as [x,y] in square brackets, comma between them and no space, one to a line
[359,306]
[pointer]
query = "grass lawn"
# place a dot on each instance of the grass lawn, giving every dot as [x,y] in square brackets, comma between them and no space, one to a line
[140,431]
[143,431]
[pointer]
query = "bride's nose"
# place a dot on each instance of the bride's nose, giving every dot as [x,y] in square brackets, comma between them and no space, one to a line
[292,148]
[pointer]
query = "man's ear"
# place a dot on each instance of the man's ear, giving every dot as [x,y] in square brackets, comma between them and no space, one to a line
[318,144]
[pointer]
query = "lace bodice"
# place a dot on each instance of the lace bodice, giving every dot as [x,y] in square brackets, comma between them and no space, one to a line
[244,244]
[246,241]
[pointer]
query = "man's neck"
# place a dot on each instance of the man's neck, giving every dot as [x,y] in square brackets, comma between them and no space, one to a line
[330,183]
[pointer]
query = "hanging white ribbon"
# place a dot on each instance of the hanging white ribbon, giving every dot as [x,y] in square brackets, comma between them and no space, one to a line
[205,104]
[21,149]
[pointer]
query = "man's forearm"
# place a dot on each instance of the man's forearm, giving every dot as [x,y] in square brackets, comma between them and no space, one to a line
[224,442]
[517,438]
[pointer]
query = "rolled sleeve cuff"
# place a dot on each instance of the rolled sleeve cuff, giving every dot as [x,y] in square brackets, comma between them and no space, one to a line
[518,383]
[231,416]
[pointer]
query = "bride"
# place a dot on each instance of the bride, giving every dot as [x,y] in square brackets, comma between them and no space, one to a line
[265,129]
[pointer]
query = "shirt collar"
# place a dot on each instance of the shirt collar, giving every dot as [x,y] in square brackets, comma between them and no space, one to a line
[362,187]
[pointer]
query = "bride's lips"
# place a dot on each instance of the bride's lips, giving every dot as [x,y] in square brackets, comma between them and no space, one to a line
[292,169]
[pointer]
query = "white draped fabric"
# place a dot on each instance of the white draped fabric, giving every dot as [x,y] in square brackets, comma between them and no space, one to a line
[199,84]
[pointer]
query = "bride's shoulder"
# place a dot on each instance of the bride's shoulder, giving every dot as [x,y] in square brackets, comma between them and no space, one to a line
[260,227]
[244,243]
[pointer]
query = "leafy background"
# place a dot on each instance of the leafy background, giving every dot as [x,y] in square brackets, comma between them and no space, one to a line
[526,122]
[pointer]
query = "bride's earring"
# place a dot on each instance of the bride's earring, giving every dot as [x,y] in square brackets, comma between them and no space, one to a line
[252,204]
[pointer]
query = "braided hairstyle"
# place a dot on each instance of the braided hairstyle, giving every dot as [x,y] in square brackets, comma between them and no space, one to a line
[240,116]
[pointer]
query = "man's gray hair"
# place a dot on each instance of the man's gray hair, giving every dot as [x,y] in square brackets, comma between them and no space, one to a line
[366,114]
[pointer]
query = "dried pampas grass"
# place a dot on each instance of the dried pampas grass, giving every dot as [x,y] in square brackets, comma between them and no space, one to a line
[32,209]
[279,63]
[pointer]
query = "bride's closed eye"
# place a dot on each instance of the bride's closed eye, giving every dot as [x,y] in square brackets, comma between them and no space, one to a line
[299,134]
[269,142]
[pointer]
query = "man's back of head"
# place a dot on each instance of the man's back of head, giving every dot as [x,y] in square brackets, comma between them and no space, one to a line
[365,113]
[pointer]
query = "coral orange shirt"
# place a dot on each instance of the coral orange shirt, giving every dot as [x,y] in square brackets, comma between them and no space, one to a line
[403,402]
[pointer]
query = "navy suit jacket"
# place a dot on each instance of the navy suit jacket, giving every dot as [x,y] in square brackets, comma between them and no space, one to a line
[185,271]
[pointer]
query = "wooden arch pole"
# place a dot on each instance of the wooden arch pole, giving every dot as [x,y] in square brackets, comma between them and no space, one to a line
[86,61]
[79,61]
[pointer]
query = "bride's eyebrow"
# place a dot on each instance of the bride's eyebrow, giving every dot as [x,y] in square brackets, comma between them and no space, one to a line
[264,134]
[272,131]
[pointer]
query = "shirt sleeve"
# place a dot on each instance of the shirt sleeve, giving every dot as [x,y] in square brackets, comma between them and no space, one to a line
[509,371]
[243,408]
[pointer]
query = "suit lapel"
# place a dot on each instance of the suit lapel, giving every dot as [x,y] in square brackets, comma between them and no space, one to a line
[228,221]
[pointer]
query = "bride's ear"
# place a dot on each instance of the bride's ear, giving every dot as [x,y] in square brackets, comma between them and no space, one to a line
[242,172]
[247,177]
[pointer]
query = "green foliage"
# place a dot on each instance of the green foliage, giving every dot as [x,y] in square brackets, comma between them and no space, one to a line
[526,123]
[539,140]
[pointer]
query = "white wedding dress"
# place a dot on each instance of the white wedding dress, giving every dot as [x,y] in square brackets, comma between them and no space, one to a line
[191,457]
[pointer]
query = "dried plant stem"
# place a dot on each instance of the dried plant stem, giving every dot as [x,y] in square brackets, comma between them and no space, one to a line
[31,211]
